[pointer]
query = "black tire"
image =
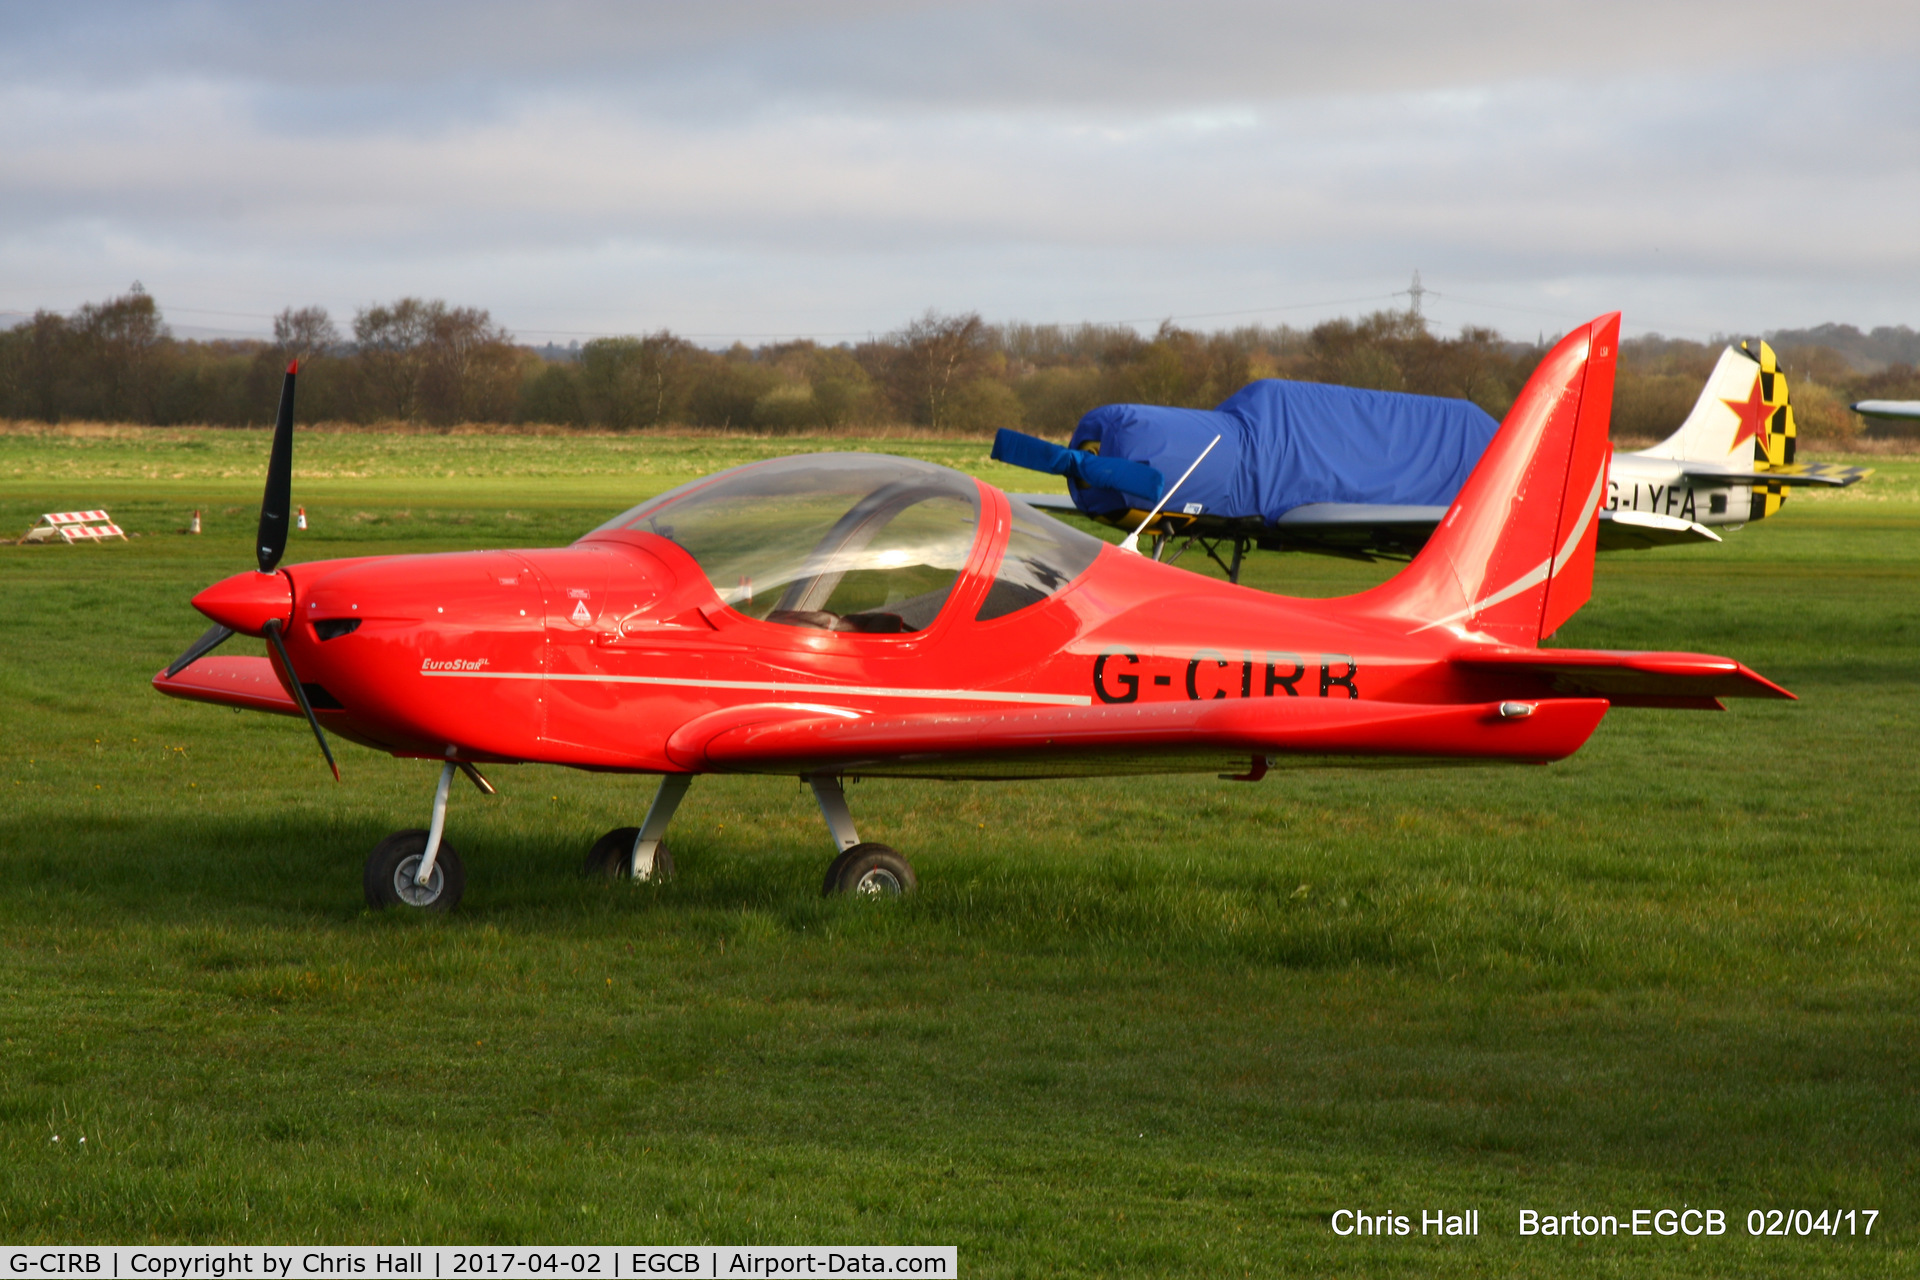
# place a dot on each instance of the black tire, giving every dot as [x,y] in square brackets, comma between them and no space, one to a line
[870,870]
[391,867]
[612,855]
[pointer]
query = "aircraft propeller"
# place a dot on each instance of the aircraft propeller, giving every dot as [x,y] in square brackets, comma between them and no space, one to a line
[270,543]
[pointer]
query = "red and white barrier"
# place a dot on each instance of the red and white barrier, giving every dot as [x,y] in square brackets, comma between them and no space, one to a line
[74,526]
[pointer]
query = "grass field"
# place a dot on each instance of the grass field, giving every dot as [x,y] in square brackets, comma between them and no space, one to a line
[1139,1026]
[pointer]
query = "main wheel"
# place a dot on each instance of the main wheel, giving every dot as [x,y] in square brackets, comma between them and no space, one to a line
[394,863]
[870,870]
[612,856]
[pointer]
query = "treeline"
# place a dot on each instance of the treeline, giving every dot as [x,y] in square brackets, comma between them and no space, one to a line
[426,362]
[1660,378]
[116,361]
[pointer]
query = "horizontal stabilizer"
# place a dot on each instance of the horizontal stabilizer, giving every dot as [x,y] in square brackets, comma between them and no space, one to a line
[1627,678]
[1823,473]
[1797,474]
[247,683]
[1089,470]
[1629,530]
[1133,739]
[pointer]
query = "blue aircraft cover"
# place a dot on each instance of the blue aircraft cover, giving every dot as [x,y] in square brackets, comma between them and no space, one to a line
[1284,444]
[1089,469]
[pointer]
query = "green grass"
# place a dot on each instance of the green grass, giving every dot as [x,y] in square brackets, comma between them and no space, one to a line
[1128,1026]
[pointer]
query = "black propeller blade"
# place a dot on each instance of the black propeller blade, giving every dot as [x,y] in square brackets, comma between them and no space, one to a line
[300,692]
[276,512]
[276,504]
[210,639]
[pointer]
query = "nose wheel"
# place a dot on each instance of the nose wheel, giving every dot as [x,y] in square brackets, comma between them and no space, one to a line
[418,868]
[393,872]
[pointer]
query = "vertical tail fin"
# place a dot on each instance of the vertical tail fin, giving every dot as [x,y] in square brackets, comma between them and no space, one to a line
[1513,558]
[1745,399]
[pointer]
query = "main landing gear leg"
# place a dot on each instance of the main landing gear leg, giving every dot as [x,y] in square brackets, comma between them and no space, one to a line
[640,853]
[833,807]
[863,867]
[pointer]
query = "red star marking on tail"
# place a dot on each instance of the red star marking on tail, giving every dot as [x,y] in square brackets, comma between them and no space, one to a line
[1753,413]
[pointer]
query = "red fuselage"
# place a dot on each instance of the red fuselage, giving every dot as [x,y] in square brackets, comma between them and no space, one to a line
[596,655]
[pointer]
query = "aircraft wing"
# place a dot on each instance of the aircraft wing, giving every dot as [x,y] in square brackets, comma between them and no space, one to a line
[1366,529]
[1151,738]
[1359,529]
[1887,408]
[1356,527]
[1626,678]
[247,683]
[1370,528]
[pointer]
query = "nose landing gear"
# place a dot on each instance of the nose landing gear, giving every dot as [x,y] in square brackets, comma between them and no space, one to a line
[416,868]
[393,869]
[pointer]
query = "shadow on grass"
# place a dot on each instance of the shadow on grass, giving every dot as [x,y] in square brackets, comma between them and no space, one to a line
[257,868]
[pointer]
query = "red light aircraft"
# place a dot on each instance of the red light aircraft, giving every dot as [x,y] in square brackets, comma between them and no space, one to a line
[849,614]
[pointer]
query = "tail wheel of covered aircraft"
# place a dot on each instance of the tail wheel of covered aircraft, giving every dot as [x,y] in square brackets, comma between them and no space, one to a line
[611,857]
[870,870]
[393,870]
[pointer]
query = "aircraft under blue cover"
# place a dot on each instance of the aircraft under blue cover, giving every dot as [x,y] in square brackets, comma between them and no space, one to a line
[1287,444]
[1307,466]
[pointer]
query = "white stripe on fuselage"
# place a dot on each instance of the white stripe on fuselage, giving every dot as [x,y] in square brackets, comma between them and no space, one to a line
[1548,568]
[783,686]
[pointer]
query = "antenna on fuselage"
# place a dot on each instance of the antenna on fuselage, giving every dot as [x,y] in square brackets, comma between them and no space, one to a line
[1132,541]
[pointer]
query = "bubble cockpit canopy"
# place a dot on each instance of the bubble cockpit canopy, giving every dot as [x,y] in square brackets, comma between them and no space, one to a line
[841,541]
[853,541]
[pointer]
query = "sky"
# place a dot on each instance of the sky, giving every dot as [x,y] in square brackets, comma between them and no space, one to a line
[750,172]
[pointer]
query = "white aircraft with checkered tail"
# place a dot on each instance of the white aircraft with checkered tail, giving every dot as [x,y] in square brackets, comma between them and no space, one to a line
[1730,463]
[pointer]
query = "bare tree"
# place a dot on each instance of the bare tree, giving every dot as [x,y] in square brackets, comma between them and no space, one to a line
[934,354]
[303,334]
[391,344]
[471,366]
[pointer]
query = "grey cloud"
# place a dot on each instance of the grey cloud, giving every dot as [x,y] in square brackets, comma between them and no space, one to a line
[601,168]
[1011,54]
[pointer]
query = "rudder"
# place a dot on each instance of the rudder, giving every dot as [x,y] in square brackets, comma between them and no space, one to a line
[1512,559]
[1745,400]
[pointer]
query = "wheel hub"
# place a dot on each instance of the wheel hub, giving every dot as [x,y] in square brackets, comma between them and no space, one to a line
[878,882]
[417,895]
